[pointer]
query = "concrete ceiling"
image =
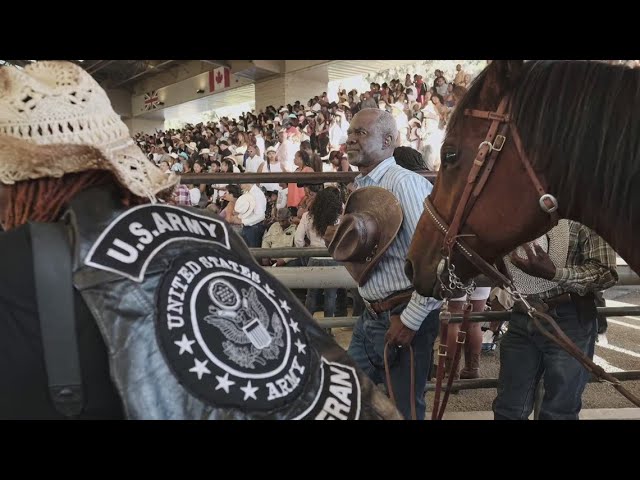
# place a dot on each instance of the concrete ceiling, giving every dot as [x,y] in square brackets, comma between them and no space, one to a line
[340,69]
[337,69]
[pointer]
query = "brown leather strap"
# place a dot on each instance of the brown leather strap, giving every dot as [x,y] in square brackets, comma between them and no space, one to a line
[412,391]
[560,338]
[487,115]
[532,175]
[484,175]
[483,149]
[480,263]
[445,316]
[462,335]
[490,163]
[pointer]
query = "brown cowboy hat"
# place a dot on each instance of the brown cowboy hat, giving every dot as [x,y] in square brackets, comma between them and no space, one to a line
[371,221]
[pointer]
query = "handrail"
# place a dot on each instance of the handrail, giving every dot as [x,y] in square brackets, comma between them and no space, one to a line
[346,322]
[279,177]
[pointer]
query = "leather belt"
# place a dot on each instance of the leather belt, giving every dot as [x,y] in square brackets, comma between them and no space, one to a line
[554,302]
[389,303]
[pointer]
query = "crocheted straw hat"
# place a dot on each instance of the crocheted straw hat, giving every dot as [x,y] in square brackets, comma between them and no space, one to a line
[55,119]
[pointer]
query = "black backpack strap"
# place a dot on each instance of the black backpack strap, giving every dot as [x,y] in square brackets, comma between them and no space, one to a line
[54,294]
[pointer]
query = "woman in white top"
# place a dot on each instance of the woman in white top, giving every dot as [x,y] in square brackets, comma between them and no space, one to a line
[272,165]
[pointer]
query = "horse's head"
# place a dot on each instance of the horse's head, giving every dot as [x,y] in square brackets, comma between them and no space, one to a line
[502,213]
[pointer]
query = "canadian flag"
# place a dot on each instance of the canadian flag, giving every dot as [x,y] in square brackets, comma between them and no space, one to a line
[219,79]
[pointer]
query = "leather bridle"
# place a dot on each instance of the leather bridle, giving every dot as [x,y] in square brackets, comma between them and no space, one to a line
[483,164]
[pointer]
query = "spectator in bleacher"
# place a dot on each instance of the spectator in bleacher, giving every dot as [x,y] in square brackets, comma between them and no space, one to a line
[224,149]
[227,165]
[271,165]
[322,133]
[441,108]
[325,211]
[231,195]
[316,161]
[295,193]
[181,196]
[251,208]
[449,99]
[281,234]
[415,134]
[338,130]
[271,209]
[165,166]
[441,86]
[368,101]
[254,159]
[259,138]
[460,78]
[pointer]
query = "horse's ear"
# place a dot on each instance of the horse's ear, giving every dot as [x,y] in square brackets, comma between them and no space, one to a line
[500,76]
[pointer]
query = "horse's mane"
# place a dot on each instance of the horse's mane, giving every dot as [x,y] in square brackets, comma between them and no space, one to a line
[580,125]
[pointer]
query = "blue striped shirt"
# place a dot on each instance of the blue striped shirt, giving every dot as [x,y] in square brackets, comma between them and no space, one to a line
[388,275]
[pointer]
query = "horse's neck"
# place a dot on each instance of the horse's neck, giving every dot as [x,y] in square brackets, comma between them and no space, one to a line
[622,238]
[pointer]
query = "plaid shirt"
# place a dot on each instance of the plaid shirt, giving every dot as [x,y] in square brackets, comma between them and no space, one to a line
[181,196]
[590,267]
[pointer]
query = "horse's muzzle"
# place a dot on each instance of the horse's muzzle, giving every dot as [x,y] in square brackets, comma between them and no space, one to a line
[423,289]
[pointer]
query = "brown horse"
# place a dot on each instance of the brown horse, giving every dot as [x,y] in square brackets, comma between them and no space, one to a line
[578,124]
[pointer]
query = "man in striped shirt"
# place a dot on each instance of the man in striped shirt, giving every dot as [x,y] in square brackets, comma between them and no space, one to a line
[402,317]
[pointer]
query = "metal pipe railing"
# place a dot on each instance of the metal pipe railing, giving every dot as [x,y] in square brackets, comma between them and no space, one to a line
[336,322]
[279,177]
[477,383]
[338,277]
[287,252]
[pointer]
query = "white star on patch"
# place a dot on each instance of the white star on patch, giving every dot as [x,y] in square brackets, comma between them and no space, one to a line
[185,345]
[200,368]
[249,391]
[269,290]
[224,382]
[285,306]
[294,326]
[301,346]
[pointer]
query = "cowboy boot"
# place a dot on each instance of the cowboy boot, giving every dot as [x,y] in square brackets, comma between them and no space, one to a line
[472,349]
[471,366]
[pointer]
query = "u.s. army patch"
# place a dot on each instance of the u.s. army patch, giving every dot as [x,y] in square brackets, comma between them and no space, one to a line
[130,242]
[339,395]
[228,336]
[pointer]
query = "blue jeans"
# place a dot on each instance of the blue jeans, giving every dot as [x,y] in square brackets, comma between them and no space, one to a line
[367,350]
[525,355]
[252,235]
[330,294]
[329,304]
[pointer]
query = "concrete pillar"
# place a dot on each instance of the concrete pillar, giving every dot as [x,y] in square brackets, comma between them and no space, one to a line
[305,84]
[297,85]
[270,92]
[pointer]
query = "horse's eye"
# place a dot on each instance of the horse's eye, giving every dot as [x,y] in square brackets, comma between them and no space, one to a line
[448,155]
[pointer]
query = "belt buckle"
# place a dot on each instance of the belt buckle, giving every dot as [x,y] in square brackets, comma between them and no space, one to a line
[370,309]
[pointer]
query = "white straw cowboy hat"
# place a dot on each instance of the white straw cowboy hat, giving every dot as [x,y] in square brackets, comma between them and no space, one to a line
[245,205]
[55,119]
